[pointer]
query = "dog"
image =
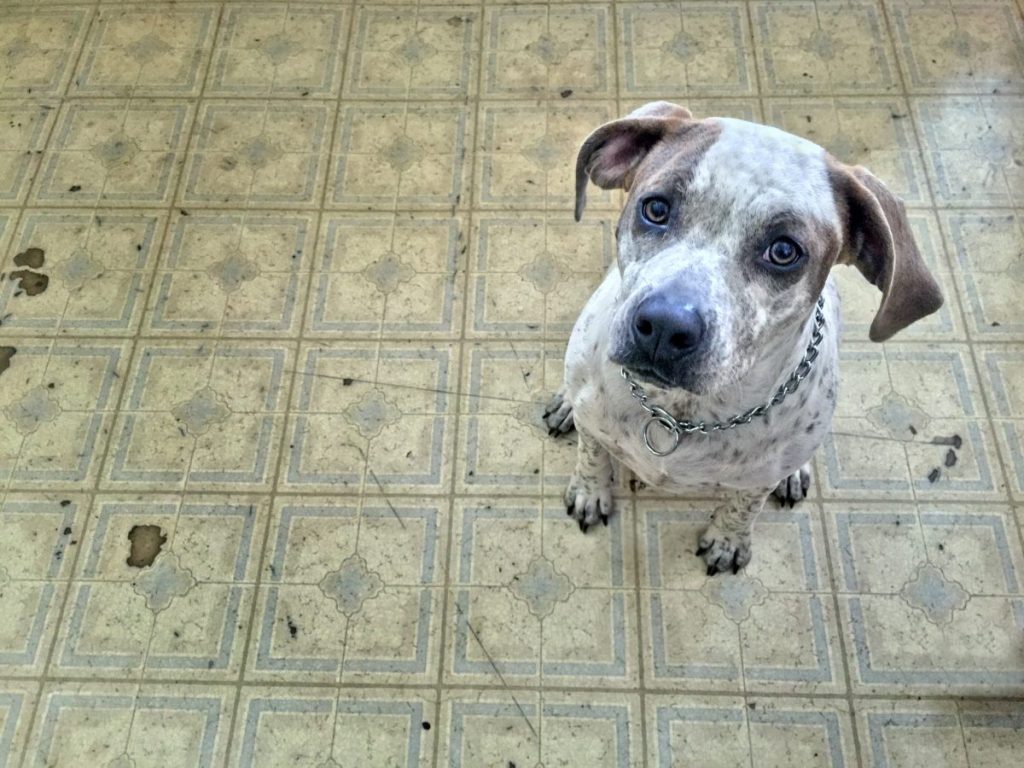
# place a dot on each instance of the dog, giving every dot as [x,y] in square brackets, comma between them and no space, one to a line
[708,356]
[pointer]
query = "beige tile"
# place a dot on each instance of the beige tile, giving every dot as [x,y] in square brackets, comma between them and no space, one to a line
[490,728]
[373,418]
[400,155]
[279,50]
[17,700]
[390,275]
[529,275]
[415,53]
[970,145]
[701,49]
[40,46]
[27,126]
[142,51]
[993,732]
[233,273]
[264,153]
[823,48]
[58,406]
[1001,376]
[526,151]
[959,47]
[98,265]
[911,733]
[537,51]
[108,723]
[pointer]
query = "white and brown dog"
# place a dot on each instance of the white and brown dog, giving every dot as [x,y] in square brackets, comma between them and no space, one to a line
[708,356]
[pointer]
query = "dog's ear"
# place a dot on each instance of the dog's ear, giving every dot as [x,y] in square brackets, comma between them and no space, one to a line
[611,154]
[878,241]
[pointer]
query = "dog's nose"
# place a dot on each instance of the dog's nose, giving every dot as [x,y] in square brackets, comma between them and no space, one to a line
[665,329]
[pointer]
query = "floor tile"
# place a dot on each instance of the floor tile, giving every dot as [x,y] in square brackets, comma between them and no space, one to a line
[98,263]
[823,48]
[959,47]
[114,152]
[131,724]
[58,403]
[40,46]
[1001,369]
[28,124]
[201,416]
[279,50]
[930,596]
[698,48]
[389,275]
[402,154]
[972,147]
[373,418]
[532,50]
[142,51]
[283,725]
[267,153]
[338,602]
[756,731]
[16,702]
[233,273]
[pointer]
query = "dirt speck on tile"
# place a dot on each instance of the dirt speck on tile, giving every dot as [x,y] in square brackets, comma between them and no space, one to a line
[33,258]
[32,283]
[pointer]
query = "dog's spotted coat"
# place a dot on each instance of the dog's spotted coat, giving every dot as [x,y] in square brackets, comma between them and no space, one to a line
[732,187]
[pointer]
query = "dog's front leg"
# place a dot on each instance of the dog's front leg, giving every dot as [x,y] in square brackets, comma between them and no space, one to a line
[725,545]
[589,495]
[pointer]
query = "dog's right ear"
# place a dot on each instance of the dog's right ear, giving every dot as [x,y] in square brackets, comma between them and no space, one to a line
[611,154]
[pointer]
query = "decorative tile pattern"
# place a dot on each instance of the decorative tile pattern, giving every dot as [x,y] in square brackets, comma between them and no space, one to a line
[413,53]
[973,149]
[372,418]
[539,51]
[279,50]
[140,50]
[39,47]
[399,155]
[233,273]
[98,265]
[959,47]
[529,276]
[16,702]
[26,127]
[185,615]
[55,412]
[113,152]
[910,424]
[526,152]
[813,48]
[257,152]
[120,724]
[694,48]
[201,415]
[917,572]
[389,275]
[794,731]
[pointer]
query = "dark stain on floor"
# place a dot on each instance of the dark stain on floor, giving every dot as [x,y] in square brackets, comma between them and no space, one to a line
[6,353]
[147,541]
[31,283]
[33,258]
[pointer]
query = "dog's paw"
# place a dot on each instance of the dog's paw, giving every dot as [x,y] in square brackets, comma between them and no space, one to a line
[794,488]
[558,415]
[723,552]
[588,502]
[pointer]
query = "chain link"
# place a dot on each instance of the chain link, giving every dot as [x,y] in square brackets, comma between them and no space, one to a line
[676,428]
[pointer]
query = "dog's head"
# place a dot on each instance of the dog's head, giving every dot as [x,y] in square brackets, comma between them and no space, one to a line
[727,238]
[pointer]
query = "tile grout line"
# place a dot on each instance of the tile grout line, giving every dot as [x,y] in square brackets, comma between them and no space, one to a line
[465,222]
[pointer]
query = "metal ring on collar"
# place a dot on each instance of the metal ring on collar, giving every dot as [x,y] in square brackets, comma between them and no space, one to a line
[668,424]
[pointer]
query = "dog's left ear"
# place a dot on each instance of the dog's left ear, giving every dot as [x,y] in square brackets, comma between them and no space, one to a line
[610,155]
[878,241]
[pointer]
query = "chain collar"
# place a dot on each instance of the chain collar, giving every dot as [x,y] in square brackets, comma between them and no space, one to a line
[676,428]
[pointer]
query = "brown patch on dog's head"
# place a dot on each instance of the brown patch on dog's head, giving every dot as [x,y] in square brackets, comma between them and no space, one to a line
[878,241]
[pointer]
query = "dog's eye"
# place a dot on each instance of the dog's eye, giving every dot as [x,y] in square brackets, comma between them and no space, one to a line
[783,253]
[656,210]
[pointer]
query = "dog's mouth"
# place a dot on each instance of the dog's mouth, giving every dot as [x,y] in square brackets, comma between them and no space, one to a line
[650,376]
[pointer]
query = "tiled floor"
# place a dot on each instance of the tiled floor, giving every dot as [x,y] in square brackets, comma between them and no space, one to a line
[311,270]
